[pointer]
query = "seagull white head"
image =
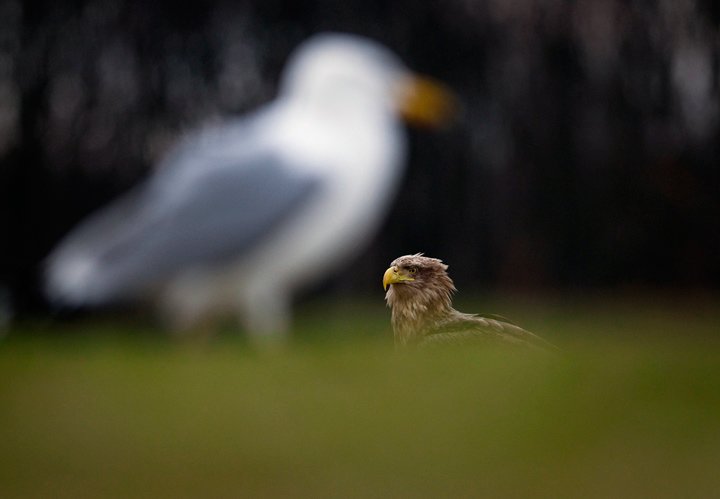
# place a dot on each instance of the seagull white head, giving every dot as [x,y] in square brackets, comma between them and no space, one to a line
[340,71]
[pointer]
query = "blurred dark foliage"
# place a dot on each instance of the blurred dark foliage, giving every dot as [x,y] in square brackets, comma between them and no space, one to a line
[586,153]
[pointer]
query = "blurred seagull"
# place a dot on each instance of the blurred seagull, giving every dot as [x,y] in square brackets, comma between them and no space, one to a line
[243,214]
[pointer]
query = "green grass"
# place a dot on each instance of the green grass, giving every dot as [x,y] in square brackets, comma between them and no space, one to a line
[112,409]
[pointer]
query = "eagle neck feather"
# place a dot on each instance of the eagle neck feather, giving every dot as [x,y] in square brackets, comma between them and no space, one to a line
[417,310]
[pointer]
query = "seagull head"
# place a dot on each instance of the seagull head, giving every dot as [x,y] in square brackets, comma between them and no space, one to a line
[339,72]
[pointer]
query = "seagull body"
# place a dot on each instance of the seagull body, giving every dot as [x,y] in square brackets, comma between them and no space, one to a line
[420,296]
[242,214]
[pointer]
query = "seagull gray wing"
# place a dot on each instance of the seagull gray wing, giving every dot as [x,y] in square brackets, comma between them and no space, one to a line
[183,217]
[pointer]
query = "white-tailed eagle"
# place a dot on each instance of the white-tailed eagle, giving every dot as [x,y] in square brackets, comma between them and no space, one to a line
[420,296]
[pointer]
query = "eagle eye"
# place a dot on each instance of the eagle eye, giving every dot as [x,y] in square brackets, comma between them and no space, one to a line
[413,270]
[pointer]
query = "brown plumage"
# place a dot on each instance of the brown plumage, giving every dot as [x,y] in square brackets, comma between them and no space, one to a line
[420,296]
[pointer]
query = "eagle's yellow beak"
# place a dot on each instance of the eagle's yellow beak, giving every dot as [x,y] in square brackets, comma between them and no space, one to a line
[392,276]
[425,102]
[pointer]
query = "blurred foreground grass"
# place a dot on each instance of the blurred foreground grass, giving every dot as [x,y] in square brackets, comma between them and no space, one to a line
[632,409]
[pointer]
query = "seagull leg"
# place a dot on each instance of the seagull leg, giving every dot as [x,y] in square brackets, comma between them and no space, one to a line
[265,314]
[185,306]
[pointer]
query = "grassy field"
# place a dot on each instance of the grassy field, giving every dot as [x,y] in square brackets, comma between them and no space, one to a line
[114,409]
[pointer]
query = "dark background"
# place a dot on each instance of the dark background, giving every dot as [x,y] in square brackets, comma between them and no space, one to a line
[585,156]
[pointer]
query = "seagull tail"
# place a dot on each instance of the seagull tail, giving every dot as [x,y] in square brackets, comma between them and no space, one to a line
[81,271]
[71,278]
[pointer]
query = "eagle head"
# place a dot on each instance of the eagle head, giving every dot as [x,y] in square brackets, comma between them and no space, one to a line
[418,278]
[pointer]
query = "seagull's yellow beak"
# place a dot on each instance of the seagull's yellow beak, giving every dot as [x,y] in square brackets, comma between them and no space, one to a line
[392,276]
[425,102]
